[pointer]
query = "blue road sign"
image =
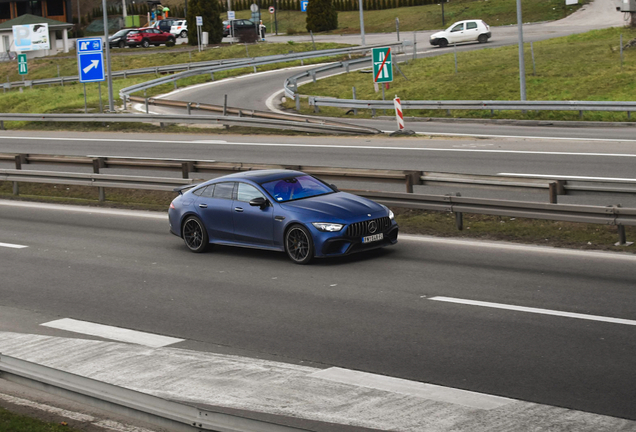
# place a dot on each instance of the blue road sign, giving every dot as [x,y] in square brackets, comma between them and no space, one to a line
[89,45]
[91,67]
[90,60]
[303,5]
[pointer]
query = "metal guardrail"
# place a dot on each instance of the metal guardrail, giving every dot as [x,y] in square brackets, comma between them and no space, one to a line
[257,61]
[408,178]
[303,125]
[608,215]
[161,412]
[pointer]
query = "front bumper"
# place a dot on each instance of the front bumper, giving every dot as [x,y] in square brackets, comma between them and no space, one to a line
[337,244]
[434,41]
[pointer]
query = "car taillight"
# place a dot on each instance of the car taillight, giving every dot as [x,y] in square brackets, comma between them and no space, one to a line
[172,206]
[228,26]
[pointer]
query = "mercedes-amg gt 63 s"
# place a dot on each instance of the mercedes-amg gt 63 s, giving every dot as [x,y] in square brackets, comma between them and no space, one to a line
[280,210]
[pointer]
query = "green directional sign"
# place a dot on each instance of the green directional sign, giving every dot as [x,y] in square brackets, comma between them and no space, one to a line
[22,64]
[382,65]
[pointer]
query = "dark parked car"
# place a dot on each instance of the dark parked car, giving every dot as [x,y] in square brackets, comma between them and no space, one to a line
[165,24]
[239,26]
[119,38]
[280,210]
[149,36]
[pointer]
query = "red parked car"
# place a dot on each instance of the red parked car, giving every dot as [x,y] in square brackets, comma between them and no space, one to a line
[149,36]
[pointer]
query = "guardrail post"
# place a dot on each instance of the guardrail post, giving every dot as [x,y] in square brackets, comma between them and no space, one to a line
[146,105]
[347,67]
[560,184]
[19,160]
[313,75]
[254,69]
[580,114]
[355,110]
[225,105]
[212,76]
[175,84]
[302,62]
[412,178]
[2,125]
[186,167]
[189,106]
[553,193]
[373,112]
[459,221]
[297,99]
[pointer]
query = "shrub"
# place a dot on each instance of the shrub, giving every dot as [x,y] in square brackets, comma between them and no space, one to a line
[321,16]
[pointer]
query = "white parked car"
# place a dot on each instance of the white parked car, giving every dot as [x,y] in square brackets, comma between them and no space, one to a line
[462,31]
[179,28]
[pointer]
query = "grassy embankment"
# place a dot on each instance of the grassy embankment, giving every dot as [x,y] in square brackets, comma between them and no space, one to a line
[11,422]
[494,12]
[578,67]
[70,97]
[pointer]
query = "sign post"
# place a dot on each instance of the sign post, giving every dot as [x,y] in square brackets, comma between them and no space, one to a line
[23,68]
[90,63]
[271,17]
[382,65]
[199,24]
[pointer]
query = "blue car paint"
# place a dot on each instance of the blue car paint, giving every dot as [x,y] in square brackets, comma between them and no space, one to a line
[265,228]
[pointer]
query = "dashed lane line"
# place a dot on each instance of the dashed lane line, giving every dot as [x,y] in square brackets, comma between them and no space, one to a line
[113,333]
[535,310]
[12,246]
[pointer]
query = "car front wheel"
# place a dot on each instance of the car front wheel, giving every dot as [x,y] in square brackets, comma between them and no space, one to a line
[443,43]
[482,38]
[145,44]
[194,234]
[299,244]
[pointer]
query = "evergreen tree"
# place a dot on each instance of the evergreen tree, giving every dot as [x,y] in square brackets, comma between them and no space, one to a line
[211,11]
[321,16]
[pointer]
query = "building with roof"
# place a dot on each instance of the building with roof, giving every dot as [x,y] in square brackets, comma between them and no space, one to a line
[56,28]
[58,10]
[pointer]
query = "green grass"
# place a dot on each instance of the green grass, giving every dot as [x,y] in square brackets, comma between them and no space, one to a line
[70,97]
[579,67]
[494,12]
[11,422]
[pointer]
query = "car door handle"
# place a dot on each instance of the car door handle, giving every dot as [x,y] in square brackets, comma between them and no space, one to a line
[203,205]
[238,209]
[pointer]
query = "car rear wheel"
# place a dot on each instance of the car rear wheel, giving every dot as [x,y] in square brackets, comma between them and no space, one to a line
[183,34]
[194,235]
[145,43]
[482,38]
[299,244]
[443,43]
[122,44]
[170,42]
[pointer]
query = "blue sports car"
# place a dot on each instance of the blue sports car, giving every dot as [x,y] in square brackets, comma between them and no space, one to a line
[279,210]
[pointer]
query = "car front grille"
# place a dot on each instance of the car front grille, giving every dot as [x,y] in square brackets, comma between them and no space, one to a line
[361,229]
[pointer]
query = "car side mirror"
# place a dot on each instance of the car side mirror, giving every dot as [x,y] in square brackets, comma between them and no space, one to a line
[334,187]
[259,202]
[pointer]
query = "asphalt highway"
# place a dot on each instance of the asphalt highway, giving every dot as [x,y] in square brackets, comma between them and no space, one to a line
[377,312]
[586,159]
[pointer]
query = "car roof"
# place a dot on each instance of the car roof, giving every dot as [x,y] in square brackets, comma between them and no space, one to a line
[262,176]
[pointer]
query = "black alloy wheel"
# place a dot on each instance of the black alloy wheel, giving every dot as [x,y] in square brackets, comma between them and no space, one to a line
[170,42]
[121,44]
[145,43]
[443,43]
[194,235]
[184,34]
[299,245]
[482,38]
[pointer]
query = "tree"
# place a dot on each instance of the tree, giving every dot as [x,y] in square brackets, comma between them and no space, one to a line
[211,11]
[321,16]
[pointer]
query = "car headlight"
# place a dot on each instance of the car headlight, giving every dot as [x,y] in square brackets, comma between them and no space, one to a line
[391,215]
[328,227]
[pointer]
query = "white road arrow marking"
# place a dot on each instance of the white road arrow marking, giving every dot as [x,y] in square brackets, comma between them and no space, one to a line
[93,64]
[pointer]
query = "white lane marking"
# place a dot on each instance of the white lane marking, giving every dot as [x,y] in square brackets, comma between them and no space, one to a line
[330,146]
[106,424]
[114,333]
[505,246]
[12,246]
[535,310]
[567,177]
[519,136]
[89,210]
[412,388]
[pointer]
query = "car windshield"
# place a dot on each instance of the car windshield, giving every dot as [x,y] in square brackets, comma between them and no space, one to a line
[133,32]
[294,188]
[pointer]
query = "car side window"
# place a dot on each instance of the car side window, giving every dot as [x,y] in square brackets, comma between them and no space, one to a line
[246,192]
[208,192]
[224,190]
[458,27]
[471,25]
[198,192]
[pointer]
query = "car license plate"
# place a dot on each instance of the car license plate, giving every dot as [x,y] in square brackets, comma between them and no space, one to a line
[372,238]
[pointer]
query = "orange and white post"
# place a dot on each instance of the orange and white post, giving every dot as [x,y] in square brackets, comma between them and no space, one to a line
[398,112]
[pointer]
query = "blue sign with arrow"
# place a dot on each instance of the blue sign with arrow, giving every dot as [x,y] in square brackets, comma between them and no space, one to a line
[90,60]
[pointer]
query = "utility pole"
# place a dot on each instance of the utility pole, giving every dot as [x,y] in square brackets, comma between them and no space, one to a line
[361,22]
[111,105]
[522,64]
[123,10]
